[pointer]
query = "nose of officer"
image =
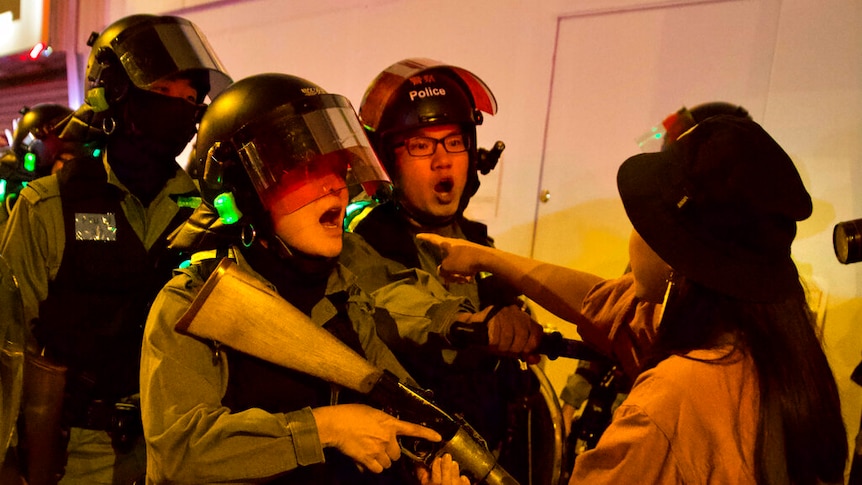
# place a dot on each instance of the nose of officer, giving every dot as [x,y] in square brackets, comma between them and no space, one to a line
[441,158]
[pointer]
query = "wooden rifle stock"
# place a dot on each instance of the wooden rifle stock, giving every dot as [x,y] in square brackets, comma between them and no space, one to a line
[240,311]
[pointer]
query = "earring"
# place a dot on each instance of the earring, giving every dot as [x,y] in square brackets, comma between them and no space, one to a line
[248,235]
[669,293]
[109,125]
[671,287]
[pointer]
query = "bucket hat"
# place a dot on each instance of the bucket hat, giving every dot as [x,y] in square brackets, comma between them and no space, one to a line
[720,206]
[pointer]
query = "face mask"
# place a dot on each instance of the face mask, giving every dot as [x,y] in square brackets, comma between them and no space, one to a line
[164,124]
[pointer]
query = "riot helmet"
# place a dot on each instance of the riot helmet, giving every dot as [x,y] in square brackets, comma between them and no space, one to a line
[36,141]
[659,137]
[139,50]
[37,148]
[279,138]
[416,93]
[127,60]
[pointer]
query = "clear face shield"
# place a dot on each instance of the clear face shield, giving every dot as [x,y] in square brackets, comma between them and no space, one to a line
[658,137]
[165,47]
[307,150]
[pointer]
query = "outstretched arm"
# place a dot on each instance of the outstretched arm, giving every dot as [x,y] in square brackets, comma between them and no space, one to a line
[558,289]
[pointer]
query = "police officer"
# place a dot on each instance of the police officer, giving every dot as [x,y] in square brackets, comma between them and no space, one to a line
[36,151]
[421,116]
[277,155]
[88,247]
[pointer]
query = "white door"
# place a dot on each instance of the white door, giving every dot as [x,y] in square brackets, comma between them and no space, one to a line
[617,73]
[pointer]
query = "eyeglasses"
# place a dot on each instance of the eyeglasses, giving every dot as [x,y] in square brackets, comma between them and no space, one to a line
[425,146]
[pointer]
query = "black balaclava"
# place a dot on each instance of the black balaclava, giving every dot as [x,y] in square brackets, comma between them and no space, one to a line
[153,130]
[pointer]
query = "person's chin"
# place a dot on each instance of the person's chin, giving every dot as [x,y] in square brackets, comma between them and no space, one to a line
[329,248]
[324,244]
[447,209]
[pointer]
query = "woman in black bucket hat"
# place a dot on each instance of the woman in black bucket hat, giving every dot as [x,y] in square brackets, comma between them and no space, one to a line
[732,385]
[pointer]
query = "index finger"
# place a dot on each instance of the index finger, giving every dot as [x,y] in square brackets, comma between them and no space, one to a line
[406,428]
[430,237]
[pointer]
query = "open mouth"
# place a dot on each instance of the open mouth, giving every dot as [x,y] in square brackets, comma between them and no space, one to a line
[444,185]
[332,217]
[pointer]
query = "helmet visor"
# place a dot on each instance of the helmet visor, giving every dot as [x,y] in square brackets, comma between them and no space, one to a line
[165,47]
[309,149]
[386,84]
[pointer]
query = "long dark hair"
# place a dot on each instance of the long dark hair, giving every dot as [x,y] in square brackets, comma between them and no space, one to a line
[800,411]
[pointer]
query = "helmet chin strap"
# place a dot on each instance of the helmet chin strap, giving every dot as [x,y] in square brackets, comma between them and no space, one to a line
[283,250]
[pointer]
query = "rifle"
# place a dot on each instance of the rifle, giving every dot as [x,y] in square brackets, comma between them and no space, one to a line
[270,328]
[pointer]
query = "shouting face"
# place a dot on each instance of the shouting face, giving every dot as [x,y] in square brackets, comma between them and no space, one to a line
[432,178]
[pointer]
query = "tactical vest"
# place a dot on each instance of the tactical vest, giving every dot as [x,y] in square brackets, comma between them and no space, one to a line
[93,318]
[254,383]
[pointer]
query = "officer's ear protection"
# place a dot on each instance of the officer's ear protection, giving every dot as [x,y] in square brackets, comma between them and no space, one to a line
[213,178]
[109,81]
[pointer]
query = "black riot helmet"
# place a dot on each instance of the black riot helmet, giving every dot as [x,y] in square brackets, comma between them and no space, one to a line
[35,140]
[132,54]
[143,49]
[675,124]
[416,93]
[276,137]
[37,144]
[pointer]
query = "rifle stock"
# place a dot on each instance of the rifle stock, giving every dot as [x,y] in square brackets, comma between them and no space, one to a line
[241,312]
